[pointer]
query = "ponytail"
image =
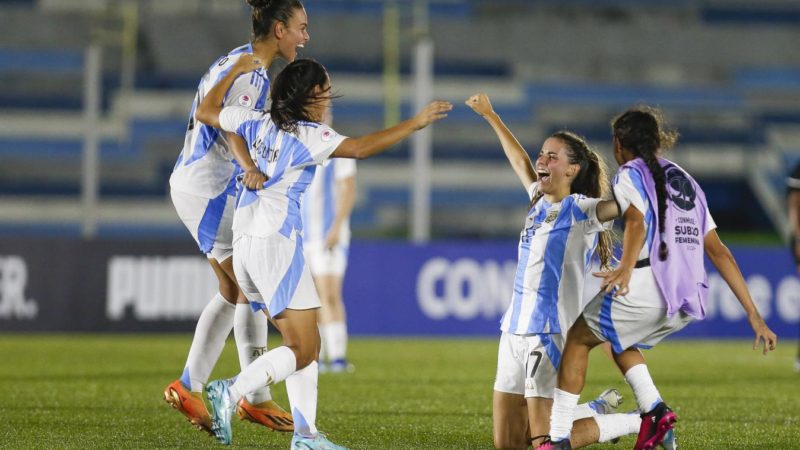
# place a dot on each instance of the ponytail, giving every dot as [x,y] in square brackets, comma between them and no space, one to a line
[641,131]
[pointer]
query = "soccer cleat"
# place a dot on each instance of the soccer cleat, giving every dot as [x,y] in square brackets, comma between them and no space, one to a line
[319,442]
[269,414]
[222,407]
[607,402]
[341,365]
[670,441]
[550,445]
[189,405]
[655,426]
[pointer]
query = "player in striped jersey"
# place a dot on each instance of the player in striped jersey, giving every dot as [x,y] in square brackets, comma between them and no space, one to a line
[565,226]
[660,285]
[202,187]
[327,205]
[287,144]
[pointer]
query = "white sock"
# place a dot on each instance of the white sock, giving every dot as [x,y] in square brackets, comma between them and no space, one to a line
[250,330]
[213,328]
[271,367]
[647,396]
[338,346]
[584,411]
[561,417]
[301,387]
[613,426]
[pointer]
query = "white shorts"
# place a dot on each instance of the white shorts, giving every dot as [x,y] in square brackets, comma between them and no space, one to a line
[272,273]
[528,365]
[638,319]
[208,220]
[325,262]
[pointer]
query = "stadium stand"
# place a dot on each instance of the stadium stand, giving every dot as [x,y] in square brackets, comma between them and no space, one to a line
[729,97]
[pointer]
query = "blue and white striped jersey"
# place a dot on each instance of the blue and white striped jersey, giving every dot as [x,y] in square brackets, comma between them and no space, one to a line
[629,191]
[206,165]
[289,160]
[322,199]
[555,250]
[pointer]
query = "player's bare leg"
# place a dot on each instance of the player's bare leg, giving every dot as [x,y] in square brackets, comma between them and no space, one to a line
[509,421]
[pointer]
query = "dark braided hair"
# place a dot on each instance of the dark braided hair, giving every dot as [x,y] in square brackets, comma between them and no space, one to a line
[591,181]
[267,12]
[292,93]
[642,132]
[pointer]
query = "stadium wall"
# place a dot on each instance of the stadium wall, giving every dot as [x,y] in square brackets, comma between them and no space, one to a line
[392,288]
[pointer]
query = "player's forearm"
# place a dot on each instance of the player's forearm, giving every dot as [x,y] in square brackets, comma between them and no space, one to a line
[632,241]
[607,210]
[375,143]
[238,147]
[515,153]
[726,265]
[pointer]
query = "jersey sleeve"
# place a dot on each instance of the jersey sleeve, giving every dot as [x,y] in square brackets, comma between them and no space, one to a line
[247,89]
[629,191]
[345,168]
[234,118]
[321,140]
[588,215]
[710,224]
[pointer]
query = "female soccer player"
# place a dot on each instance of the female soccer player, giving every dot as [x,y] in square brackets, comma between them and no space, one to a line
[327,205]
[202,187]
[660,285]
[287,144]
[564,227]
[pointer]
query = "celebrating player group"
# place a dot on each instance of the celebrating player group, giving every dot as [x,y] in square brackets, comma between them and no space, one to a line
[251,151]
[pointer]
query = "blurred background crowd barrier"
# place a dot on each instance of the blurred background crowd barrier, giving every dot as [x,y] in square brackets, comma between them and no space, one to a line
[94,101]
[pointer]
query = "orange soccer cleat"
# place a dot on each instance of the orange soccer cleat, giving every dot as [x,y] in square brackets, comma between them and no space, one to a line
[189,405]
[269,414]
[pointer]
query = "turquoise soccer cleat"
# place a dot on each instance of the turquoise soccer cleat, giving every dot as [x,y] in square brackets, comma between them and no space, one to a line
[222,408]
[319,442]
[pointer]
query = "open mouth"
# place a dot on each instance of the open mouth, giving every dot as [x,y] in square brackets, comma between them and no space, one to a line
[543,176]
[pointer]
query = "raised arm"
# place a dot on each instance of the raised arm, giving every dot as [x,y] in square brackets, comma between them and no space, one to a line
[516,155]
[208,110]
[374,143]
[723,260]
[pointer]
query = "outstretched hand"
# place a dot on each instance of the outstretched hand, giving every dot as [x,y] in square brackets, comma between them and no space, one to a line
[431,113]
[764,336]
[618,279]
[480,104]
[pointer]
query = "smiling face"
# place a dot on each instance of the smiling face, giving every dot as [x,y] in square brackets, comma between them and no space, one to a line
[292,34]
[554,169]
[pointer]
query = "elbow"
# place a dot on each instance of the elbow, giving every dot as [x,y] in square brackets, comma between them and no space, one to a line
[207,116]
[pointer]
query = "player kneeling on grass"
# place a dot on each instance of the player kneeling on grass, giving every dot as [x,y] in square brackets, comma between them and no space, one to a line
[564,224]
[660,285]
[286,144]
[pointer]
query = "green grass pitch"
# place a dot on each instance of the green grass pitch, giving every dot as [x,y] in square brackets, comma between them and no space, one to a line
[105,391]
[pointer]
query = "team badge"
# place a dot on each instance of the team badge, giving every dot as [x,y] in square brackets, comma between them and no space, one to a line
[680,189]
[551,216]
[245,100]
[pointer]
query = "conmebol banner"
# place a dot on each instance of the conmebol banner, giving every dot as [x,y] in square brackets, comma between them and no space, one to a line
[391,288]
